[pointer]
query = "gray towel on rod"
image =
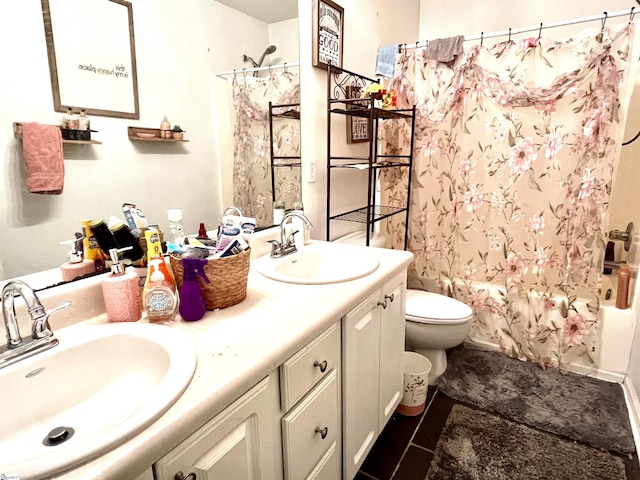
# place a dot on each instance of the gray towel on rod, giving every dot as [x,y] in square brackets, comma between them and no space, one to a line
[444,49]
[386,60]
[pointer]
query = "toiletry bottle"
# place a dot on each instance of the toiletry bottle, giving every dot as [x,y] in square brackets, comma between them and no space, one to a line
[102,234]
[84,132]
[633,260]
[92,250]
[278,212]
[69,120]
[121,292]
[83,121]
[176,228]
[192,306]
[623,287]
[76,266]
[159,298]
[125,238]
[165,128]
[159,295]
[204,238]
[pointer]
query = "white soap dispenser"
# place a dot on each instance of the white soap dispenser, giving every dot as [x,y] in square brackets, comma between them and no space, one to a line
[121,291]
[76,265]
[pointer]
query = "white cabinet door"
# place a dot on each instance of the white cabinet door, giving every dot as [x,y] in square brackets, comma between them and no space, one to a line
[373,346]
[243,441]
[361,356]
[392,324]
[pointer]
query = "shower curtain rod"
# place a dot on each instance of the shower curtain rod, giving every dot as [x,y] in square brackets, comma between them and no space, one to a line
[537,28]
[242,71]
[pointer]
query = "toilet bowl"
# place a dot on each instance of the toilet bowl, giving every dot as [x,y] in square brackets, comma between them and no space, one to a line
[433,324]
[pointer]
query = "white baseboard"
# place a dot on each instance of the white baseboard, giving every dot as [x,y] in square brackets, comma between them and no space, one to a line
[605,375]
[633,406]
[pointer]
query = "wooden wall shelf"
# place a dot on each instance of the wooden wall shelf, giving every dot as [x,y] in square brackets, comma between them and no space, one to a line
[141,134]
[17,133]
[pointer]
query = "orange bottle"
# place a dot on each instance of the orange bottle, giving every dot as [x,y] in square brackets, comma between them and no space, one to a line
[159,295]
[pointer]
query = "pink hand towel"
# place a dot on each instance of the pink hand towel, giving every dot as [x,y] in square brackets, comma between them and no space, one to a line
[42,148]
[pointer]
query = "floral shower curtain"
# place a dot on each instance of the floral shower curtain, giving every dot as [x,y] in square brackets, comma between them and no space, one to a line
[251,97]
[515,148]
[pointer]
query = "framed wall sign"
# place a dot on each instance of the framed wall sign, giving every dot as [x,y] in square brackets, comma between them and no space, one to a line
[328,27]
[92,56]
[357,127]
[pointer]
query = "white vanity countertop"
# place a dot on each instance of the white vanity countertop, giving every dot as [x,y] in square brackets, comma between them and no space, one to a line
[236,348]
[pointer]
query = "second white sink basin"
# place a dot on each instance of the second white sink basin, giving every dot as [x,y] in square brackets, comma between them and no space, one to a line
[100,386]
[319,263]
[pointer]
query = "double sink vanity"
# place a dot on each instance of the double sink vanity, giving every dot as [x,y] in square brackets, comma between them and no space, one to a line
[295,382]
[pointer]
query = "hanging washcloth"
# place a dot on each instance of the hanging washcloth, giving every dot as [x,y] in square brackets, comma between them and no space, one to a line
[386,60]
[444,49]
[42,148]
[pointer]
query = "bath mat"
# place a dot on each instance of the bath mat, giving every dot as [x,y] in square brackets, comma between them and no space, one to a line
[582,408]
[483,446]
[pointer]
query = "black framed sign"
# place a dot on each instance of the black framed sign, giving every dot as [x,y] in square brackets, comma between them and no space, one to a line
[328,27]
[357,127]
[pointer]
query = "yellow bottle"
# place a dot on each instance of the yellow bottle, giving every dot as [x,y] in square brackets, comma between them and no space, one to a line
[159,295]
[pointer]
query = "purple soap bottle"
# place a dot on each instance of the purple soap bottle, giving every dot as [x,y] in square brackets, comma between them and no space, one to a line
[192,306]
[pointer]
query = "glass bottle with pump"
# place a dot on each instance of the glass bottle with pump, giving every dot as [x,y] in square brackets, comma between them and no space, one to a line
[174,215]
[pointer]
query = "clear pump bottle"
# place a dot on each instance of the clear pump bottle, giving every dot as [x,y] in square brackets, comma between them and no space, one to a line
[174,215]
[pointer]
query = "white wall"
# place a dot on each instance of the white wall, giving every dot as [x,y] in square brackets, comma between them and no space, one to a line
[178,48]
[369,24]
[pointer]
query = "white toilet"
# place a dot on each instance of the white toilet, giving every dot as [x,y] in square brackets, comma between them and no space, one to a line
[434,323]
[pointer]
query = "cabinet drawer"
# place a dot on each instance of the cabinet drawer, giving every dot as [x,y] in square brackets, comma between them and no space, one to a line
[304,369]
[303,429]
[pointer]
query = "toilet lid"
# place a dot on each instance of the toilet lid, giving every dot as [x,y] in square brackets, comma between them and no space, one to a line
[433,308]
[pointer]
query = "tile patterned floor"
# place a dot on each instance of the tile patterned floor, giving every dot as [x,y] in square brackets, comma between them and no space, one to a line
[405,447]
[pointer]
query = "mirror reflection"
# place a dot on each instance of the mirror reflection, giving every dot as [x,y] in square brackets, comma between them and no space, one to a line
[178,65]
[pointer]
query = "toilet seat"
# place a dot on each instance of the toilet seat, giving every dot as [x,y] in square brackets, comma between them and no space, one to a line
[435,309]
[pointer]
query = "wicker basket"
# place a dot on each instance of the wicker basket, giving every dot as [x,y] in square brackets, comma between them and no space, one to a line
[227,277]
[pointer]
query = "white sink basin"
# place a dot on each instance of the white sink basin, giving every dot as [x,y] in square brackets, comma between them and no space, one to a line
[319,263]
[106,382]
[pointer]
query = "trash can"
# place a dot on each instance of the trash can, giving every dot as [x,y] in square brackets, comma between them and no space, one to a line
[416,370]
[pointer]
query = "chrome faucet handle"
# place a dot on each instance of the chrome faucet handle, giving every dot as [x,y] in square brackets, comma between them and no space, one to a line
[276,247]
[291,239]
[40,327]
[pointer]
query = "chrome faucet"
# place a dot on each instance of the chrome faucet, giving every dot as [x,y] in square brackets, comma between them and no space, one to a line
[287,244]
[41,337]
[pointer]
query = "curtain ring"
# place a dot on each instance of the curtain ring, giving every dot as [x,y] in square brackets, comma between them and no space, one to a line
[604,19]
[509,34]
[481,38]
[270,69]
[285,67]
[632,14]
[234,73]
[540,31]
[244,73]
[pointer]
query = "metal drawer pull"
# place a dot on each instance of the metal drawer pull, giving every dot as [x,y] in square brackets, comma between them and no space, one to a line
[322,431]
[180,476]
[389,297]
[322,365]
[383,304]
